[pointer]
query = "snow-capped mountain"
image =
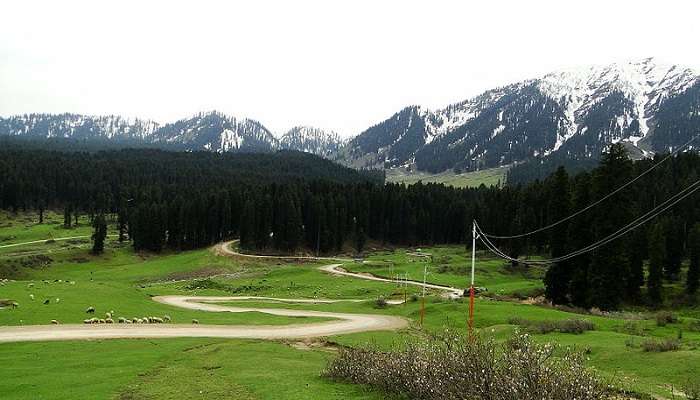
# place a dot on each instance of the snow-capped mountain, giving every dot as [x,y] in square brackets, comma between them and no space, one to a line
[650,106]
[77,126]
[212,131]
[311,140]
[215,131]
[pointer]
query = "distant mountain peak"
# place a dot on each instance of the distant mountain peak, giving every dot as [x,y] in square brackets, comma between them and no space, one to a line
[578,111]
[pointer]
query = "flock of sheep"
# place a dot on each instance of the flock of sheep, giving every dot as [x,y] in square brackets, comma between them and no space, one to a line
[108,319]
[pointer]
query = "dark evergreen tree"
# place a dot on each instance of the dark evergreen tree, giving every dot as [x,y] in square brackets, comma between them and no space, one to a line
[558,277]
[657,260]
[609,266]
[693,277]
[99,235]
[67,217]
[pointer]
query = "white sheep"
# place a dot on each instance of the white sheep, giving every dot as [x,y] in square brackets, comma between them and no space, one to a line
[31,296]
[166,318]
[195,321]
[108,315]
[158,320]
[109,321]
[58,300]
[87,321]
[90,310]
[122,320]
[54,322]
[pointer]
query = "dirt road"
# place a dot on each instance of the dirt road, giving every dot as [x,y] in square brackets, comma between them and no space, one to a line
[343,322]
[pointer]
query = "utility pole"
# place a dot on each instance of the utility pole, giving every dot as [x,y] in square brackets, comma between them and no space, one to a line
[405,288]
[471,286]
[422,306]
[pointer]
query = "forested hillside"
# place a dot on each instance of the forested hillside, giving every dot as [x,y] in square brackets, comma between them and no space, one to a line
[294,202]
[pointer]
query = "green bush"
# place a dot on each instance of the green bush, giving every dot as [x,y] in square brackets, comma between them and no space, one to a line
[456,367]
[380,302]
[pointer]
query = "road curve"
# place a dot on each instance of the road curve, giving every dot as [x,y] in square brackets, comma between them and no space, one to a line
[335,269]
[343,323]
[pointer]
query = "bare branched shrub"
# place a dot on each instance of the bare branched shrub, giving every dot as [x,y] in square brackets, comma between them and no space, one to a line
[692,389]
[576,326]
[660,346]
[665,317]
[452,366]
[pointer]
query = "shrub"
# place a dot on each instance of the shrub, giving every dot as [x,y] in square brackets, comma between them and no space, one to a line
[380,302]
[694,326]
[442,368]
[665,317]
[692,389]
[660,346]
[575,326]
[633,328]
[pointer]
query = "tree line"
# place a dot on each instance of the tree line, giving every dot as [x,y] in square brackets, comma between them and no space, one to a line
[291,202]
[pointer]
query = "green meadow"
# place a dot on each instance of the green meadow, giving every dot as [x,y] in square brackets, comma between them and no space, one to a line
[72,279]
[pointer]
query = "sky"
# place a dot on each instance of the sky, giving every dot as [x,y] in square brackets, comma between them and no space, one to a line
[337,65]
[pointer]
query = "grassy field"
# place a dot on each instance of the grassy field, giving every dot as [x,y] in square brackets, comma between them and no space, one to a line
[488,177]
[120,280]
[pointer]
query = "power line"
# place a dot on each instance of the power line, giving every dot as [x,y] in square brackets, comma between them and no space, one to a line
[596,202]
[670,202]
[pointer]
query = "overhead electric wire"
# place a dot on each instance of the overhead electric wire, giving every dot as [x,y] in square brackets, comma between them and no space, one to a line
[552,225]
[670,202]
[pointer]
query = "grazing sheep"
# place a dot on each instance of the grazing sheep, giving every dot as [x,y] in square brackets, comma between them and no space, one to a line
[109,321]
[128,321]
[166,318]
[158,320]
[146,320]
[54,322]
[31,296]
[47,301]
[72,282]
[195,321]
[90,310]
[100,321]
[87,321]
[14,304]
[122,320]
[108,315]
[138,321]
[30,285]
[58,300]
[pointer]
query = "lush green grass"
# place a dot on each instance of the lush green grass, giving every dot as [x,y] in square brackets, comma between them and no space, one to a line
[167,369]
[488,177]
[451,265]
[25,227]
[123,281]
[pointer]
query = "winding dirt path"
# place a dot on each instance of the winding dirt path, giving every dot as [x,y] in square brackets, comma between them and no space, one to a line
[342,323]
[346,323]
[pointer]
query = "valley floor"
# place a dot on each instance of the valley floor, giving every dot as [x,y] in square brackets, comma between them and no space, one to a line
[65,274]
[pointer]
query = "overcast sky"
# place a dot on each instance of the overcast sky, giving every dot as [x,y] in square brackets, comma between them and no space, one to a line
[336,65]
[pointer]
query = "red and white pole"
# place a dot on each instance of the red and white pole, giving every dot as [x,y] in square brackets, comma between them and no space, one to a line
[471,286]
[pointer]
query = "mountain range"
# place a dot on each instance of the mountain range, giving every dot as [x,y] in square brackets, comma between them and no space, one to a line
[575,114]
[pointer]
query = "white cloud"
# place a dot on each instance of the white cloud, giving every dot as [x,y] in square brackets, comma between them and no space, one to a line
[342,66]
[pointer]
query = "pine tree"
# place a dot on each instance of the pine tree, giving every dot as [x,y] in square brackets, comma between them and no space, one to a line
[636,254]
[558,277]
[609,266]
[67,217]
[657,259]
[99,235]
[693,278]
